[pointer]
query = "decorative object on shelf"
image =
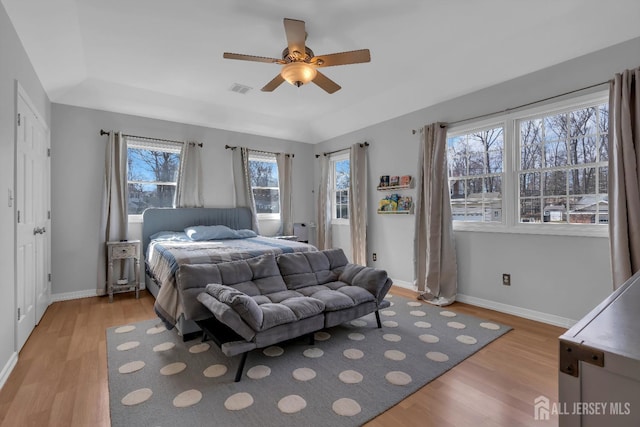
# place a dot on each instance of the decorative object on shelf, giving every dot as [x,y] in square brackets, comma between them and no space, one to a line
[396,204]
[395,182]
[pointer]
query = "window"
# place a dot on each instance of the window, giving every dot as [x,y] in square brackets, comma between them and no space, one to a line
[152,174]
[563,166]
[475,175]
[543,170]
[263,171]
[340,187]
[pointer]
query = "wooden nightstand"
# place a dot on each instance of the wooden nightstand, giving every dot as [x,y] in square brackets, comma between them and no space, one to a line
[129,249]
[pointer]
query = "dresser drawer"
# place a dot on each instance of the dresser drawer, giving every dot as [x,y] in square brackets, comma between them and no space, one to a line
[124,251]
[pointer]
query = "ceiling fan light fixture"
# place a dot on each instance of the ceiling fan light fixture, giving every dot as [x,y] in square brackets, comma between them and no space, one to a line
[298,73]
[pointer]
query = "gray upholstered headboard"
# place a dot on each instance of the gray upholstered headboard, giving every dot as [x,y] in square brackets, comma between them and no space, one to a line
[167,219]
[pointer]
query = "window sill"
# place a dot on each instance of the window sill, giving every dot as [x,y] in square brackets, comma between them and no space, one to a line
[340,222]
[601,231]
[135,219]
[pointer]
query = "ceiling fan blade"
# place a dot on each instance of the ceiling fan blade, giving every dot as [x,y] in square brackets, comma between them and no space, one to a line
[326,83]
[273,84]
[228,55]
[342,58]
[296,35]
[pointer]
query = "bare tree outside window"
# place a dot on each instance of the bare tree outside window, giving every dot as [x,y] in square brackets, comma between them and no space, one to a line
[263,172]
[475,163]
[341,173]
[563,167]
[152,177]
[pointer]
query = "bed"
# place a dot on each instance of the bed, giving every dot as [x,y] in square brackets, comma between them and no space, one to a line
[166,247]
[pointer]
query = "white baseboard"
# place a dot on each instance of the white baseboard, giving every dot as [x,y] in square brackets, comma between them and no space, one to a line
[539,316]
[8,368]
[65,296]
[403,284]
[526,313]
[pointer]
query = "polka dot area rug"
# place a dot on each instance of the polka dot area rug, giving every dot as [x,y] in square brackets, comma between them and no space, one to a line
[352,373]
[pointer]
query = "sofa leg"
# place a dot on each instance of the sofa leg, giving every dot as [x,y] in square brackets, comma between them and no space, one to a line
[241,366]
[312,338]
[378,319]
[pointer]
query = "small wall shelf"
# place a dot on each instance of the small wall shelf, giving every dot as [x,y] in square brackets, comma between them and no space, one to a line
[388,183]
[409,212]
[394,203]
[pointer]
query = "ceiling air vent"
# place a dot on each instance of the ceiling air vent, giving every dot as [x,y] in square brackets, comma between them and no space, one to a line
[241,89]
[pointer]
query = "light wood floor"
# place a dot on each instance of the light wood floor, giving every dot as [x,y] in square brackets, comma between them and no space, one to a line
[61,375]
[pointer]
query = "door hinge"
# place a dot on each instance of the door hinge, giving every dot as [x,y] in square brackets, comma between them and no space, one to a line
[571,353]
[48,214]
[48,152]
[18,313]
[49,277]
[18,217]
[18,119]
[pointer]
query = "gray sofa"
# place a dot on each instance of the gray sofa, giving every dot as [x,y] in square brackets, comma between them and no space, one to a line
[258,302]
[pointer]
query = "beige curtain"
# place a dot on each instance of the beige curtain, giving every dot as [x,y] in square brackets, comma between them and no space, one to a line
[358,202]
[624,178]
[435,267]
[114,220]
[285,162]
[189,191]
[242,183]
[324,205]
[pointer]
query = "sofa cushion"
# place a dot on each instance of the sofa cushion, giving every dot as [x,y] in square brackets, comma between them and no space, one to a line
[253,276]
[282,307]
[302,269]
[338,295]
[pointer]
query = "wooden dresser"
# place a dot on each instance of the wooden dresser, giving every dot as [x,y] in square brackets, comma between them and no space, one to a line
[599,378]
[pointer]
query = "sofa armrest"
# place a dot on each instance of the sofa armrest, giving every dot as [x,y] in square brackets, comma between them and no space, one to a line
[225,314]
[373,280]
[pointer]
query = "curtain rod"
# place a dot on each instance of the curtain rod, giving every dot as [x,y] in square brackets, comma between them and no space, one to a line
[364,144]
[229,147]
[199,144]
[482,116]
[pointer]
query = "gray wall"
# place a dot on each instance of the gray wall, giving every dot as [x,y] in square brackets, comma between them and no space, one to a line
[560,276]
[77,166]
[14,65]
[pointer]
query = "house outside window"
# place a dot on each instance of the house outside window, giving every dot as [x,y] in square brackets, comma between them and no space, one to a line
[543,170]
[152,174]
[263,171]
[340,180]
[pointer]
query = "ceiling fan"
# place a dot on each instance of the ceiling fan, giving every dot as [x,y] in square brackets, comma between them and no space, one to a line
[299,64]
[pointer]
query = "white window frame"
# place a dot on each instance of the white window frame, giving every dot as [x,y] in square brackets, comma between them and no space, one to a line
[267,157]
[511,162]
[333,159]
[152,145]
[501,175]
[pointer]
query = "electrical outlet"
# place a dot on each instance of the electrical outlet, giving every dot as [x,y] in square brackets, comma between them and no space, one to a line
[506,279]
[375,256]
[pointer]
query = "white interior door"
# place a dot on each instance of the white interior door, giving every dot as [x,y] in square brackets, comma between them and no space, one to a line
[32,216]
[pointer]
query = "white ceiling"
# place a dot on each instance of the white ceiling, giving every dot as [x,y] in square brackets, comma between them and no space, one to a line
[163,59]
